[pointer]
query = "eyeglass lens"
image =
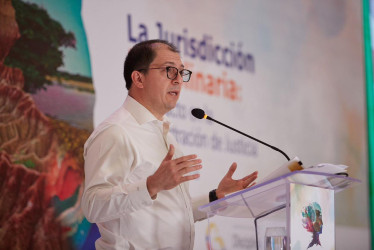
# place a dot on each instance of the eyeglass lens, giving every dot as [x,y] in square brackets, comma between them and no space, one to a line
[172,73]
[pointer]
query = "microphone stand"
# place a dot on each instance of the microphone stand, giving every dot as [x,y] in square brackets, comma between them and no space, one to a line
[264,143]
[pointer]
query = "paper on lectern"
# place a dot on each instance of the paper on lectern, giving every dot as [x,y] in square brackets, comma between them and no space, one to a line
[328,168]
[288,167]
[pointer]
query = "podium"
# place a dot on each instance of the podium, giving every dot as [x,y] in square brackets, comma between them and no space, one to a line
[293,211]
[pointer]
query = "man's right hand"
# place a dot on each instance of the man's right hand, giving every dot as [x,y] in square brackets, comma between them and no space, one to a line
[172,172]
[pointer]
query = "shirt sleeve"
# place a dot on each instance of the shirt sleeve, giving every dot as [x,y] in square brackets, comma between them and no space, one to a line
[196,203]
[109,191]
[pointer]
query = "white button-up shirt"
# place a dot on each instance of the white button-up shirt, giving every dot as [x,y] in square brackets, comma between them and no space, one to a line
[119,155]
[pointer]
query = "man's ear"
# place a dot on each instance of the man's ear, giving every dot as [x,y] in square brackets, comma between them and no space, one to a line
[137,79]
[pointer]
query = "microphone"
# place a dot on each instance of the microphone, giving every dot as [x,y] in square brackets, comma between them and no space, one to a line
[200,114]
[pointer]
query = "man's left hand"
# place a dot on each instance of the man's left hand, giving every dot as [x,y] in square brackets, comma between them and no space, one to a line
[229,185]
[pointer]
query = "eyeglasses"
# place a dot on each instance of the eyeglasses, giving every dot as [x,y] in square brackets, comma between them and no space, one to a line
[172,73]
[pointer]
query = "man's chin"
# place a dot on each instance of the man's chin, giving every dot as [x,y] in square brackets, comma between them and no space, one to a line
[171,106]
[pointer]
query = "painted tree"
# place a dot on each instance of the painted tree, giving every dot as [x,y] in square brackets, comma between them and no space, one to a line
[38,53]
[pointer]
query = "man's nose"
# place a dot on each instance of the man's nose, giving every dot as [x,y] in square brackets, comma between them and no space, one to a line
[178,79]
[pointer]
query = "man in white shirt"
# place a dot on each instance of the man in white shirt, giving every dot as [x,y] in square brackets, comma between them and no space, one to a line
[136,177]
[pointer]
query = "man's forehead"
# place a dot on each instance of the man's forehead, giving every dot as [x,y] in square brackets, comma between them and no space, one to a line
[158,45]
[165,55]
[162,47]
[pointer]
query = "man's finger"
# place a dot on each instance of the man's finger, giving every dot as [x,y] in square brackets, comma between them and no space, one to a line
[247,181]
[185,158]
[231,170]
[190,163]
[254,174]
[252,184]
[190,177]
[187,170]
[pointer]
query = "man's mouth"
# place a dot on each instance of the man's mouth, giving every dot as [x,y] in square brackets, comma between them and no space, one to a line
[174,93]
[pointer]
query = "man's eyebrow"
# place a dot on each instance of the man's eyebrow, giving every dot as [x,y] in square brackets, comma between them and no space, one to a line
[172,63]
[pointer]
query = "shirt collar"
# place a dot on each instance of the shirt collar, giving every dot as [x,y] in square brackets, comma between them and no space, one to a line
[139,112]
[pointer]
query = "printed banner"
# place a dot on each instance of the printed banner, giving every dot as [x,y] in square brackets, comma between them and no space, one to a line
[288,73]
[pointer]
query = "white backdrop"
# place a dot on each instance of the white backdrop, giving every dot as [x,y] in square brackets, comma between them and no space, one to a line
[287,72]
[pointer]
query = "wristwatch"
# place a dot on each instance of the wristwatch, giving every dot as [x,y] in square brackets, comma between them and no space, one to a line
[213,195]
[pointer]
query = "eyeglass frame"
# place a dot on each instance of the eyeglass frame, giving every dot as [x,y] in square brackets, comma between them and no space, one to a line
[176,75]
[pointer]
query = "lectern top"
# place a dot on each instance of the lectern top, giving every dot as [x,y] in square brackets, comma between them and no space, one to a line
[273,194]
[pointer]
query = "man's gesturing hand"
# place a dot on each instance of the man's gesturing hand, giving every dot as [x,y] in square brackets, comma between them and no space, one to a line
[229,185]
[171,172]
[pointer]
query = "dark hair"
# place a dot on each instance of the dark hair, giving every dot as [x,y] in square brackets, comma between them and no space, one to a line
[140,57]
